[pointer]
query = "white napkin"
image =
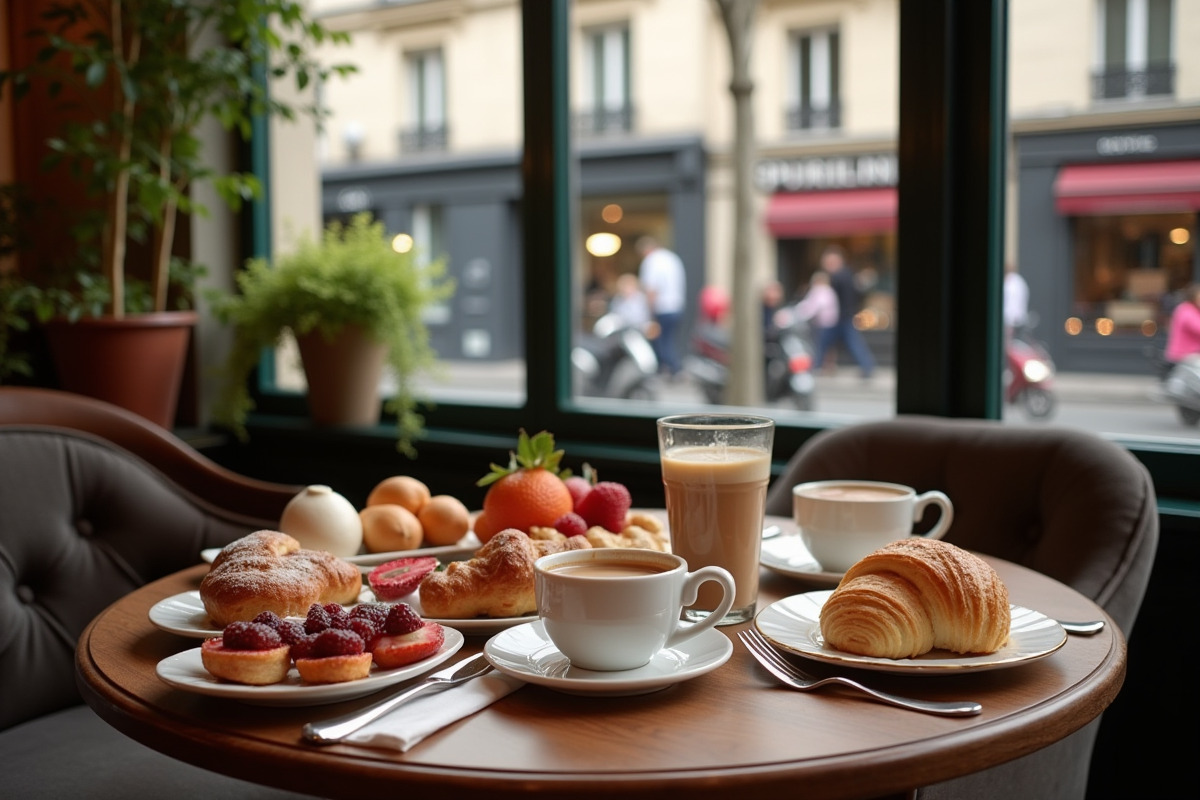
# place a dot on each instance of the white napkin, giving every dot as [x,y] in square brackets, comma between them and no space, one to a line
[416,719]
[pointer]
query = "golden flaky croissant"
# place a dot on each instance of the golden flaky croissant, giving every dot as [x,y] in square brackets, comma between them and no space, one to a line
[497,582]
[915,595]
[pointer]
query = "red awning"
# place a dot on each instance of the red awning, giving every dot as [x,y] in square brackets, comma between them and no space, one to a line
[802,214]
[1130,188]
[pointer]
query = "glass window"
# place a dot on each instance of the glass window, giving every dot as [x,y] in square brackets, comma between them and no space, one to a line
[426,103]
[605,101]
[815,97]
[1134,49]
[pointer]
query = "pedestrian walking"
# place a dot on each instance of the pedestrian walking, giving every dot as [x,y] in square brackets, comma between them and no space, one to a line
[833,263]
[665,284]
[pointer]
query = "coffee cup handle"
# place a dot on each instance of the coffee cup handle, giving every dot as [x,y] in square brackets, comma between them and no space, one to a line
[688,593]
[940,500]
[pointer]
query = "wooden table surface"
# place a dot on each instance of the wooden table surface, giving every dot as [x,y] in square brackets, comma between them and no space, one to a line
[729,732]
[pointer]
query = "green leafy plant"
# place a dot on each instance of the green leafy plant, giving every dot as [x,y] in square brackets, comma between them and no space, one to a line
[351,276]
[134,80]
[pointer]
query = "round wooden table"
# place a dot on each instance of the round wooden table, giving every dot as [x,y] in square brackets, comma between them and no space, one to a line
[731,732]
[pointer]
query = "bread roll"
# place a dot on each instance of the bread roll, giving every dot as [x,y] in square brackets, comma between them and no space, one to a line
[268,571]
[497,582]
[915,595]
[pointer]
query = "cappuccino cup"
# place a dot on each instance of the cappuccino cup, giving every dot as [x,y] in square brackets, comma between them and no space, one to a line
[841,521]
[613,609]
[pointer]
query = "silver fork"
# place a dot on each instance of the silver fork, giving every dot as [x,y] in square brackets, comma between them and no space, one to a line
[788,673]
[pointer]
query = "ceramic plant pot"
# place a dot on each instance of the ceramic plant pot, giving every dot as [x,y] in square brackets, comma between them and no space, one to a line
[343,377]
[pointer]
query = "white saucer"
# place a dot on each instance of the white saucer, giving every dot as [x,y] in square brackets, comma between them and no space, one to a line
[186,671]
[526,652]
[787,555]
[793,624]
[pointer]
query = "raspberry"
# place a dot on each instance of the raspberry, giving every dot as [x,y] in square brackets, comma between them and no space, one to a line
[268,618]
[339,619]
[375,613]
[290,631]
[337,642]
[250,636]
[571,524]
[606,505]
[317,620]
[366,630]
[304,648]
[401,620]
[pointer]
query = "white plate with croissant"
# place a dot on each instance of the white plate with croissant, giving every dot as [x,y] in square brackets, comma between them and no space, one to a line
[793,624]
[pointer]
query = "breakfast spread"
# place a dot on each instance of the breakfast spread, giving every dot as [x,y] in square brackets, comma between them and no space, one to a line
[269,571]
[332,645]
[913,596]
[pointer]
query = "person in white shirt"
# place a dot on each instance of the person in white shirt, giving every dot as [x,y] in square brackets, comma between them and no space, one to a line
[665,283]
[630,302]
[1016,300]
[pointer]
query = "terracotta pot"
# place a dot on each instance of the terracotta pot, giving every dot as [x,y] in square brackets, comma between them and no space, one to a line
[343,376]
[136,362]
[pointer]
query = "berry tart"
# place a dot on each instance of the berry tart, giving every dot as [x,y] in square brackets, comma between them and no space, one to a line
[247,652]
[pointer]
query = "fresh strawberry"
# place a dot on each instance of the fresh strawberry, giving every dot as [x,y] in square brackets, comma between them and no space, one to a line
[401,577]
[606,505]
[408,648]
[571,524]
[579,487]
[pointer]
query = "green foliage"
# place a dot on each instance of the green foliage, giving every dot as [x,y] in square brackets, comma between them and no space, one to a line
[351,276]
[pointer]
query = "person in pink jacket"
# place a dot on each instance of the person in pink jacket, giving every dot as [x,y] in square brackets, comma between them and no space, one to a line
[1183,335]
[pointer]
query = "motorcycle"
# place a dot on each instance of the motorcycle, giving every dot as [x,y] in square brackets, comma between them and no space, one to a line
[615,360]
[1029,376]
[787,364]
[1181,388]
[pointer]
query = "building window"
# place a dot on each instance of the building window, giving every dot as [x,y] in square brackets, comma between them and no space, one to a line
[1133,50]
[607,107]
[814,94]
[426,103]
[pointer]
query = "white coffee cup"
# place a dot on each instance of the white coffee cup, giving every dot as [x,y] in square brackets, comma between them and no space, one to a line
[615,608]
[841,521]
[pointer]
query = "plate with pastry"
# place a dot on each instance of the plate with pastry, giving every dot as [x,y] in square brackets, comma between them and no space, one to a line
[464,548]
[916,606]
[526,652]
[788,556]
[186,671]
[184,614]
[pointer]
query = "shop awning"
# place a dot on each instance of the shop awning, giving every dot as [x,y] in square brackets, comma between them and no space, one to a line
[802,214]
[1130,188]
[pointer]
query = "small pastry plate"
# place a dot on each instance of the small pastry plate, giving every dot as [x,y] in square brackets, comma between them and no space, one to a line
[788,556]
[526,652]
[793,624]
[186,671]
[476,626]
[461,550]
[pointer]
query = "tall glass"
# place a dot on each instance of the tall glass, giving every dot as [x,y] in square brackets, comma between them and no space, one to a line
[715,471]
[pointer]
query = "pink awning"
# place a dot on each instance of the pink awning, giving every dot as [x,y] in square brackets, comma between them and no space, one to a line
[1129,188]
[802,214]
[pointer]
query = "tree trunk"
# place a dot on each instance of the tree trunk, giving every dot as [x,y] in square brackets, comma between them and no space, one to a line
[746,381]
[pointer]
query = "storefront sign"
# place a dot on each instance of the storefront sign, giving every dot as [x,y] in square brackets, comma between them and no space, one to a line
[834,172]
[1126,144]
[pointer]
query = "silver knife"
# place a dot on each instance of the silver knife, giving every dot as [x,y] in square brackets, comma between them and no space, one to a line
[334,730]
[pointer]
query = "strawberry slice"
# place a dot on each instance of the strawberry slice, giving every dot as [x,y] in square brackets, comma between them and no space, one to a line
[401,577]
[408,648]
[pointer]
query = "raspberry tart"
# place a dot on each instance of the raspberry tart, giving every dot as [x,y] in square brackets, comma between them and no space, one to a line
[247,652]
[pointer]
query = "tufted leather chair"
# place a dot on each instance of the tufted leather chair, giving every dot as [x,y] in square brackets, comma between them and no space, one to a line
[82,522]
[1064,502]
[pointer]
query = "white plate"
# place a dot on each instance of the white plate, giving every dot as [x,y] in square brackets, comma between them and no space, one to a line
[787,555]
[186,671]
[464,548]
[526,652]
[476,626]
[793,624]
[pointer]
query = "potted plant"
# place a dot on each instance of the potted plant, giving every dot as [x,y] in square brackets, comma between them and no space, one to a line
[132,81]
[349,288]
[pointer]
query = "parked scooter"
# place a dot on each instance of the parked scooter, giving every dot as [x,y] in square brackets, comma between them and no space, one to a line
[1029,376]
[615,360]
[787,364]
[1181,388]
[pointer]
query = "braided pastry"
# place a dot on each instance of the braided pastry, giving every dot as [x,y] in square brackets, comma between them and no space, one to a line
[915,595]
[268,571]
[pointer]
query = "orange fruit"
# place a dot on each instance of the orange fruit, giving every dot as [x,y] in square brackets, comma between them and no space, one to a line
[526,493]
[400,490]
[387,526]
[444,519]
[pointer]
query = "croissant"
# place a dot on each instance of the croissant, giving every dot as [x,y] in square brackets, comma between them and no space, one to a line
[915,595]
[497,582]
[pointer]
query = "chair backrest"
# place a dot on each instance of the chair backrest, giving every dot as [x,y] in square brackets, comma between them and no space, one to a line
[153,444]
[1064,502]
[82,522]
